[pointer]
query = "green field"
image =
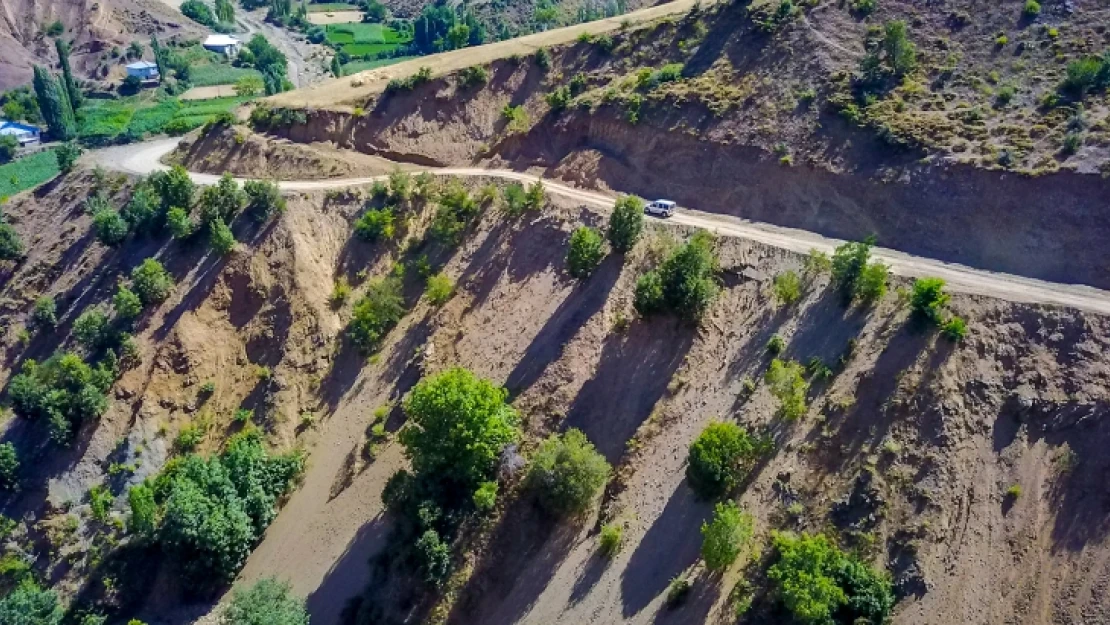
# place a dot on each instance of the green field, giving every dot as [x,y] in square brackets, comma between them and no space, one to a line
[364,39]
[27,172]
[219,74]
[332,7]
[361,66]
[103,122]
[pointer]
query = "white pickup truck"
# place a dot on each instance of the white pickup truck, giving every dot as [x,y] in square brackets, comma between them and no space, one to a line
[660,208]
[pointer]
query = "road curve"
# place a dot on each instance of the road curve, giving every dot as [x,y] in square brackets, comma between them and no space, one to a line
[144,158]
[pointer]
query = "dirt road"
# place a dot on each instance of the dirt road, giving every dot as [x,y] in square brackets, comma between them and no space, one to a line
[146,157]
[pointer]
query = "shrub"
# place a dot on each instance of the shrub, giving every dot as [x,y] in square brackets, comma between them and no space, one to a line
[473,76]
[513,197]
[787,287]
[536,196]
[9,467]
[864,7]
[181,226]
[28,604]
[456,209]
[719,458]
[263,199]
[67,155]
[45,314]
[1032,8]
[567,473]
[1088,74]
[775,345]
[648,296]
[198,12]
[11,247]
[111,229]
[151,282]
[126,304]
[376,313]
[516,117]
[559,98]
[725,536]
[855,275]
[375,225]
[817,583]
[785,381]
[955,329]
[439,289]
[686,279]
[400,185]
[144,510]
[174,187]
[871,286]
[928,299]
[220,238]
[434,557]
[143,212]
[8,146]
[543,59]
[221,200]
[626,223]
[610,539]
[585,252]
[268,602]
[678,590]
[458,425]
[485,498]
[91,329]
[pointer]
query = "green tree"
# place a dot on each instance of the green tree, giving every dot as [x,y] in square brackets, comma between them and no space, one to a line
[9,467]
[375,224]
[786,383]
[143,211]
[688,277]
[434,557]
[74,94]
[180,224]
[111,228]
[8,147]
[159,56]
[11,246]
[221,200]
[929,299]
[458,425]
[30,605]
[648,296]
[67,155]
[536,196]
[263,199]
[45,314]
[267,602]
[626,223]
[92,329]
[174,187]
[787,287]
[376,313]
[900,52]
[719,458]
[225,11]
[725,536]
[803,576]
[585,252]
[54,105]
[198,12]
[144,511]
[568,472]
[336,67]
[220,238]
[151,282]
[126,304]
[855,274]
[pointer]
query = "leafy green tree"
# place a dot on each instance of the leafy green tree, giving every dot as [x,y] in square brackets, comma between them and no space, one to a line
[400,186]
[536,196]
[787,287]
[225,11]
[126,304]
[648,296]
[92,329]
[626,224]
[786,383]
[11,247]
[174,187]
[221,200]
[375,225]
[434,557]
[439,289]
[159,56]
[485,498]
[568,472]
[9,467]
[54,105]
[955,329]
[143,212]
[67,155]
[45,314]
[151,282]
[76,99]
[263,199]
[900,52]
[144,511]
[687,277]
[458,425]
[585,252]
[267,602]
[513,197]
[28,604]
[220,237]
[929,299]
[8,147]
[198,12]
[376,313]
[111,228]
[855,274]
[725,536]
[719,458]
[64,389]
[871,286]
[180,224]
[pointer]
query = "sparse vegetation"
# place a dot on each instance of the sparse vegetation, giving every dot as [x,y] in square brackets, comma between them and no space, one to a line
[787,384]
[376,313]
[787,288]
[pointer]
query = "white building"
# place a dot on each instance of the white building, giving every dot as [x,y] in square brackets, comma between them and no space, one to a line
[26,135]
[224,44]
[143,70]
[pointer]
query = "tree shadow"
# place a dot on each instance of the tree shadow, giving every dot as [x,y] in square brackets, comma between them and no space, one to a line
[590,575]
[694,609]
[525,251]
[349,574]
[575,310]
[633,374]
[671,545]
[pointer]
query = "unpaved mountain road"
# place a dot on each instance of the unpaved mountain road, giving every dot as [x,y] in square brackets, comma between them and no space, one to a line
[146,157]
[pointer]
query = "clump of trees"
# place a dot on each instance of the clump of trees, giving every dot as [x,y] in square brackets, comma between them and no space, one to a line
[64,390]
[819,584]
[858,277]
[209,512]
[567,473]
[720,457]
[457,208]
[31,605]
[684,284]
[267,602]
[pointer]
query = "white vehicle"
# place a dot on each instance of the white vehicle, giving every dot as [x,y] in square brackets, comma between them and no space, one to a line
[660,208]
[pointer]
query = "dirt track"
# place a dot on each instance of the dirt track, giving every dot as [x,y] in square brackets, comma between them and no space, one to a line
[145,158]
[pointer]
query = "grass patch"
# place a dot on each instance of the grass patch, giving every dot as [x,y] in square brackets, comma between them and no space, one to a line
[27,172]
[362,66]
[332,7]
[219,74]
[358,39]
[108,121]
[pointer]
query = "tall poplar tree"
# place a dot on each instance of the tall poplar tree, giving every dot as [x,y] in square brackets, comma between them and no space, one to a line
[54,105]
[75,97]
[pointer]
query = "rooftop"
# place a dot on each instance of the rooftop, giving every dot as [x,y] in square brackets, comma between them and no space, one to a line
[221,40]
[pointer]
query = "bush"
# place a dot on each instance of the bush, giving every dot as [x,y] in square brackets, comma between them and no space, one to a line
[1032,8]
[687,279]
[180,224]
[458,425]
[221,200]
[174,187]
[151,282]
[1088,74]
[11,247]
[439,289]
[855,275]
[719,458]
[263,199]
[198,12]
[626,223]
[513,197]
[376,313]
[45,314]
[456,209]
[955,329]
[516,117]
[8,146]
[434,557]
[559,98]
[400,185]
[126,304]
[473,76]
[220,238]
[820,584]
[143,212]
[28,604]
[64,389]
[928,299]
[375,225]
[543,59]
[485,498]
[111,229]
[567,473]
[610,539]
[871,286]
[585,252]
[267,602]
[785,381]
[91,330]
[787,287]
[648,297]
[9,467]
[67,155]
[725,536]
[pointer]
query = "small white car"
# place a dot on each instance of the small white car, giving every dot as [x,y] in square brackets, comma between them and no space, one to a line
[660,208]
